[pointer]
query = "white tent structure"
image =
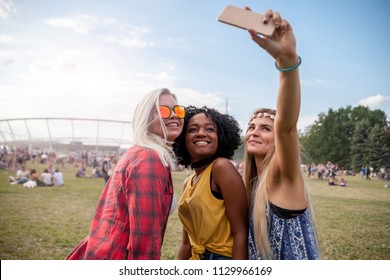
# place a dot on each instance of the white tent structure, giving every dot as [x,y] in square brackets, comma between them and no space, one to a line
[49,133]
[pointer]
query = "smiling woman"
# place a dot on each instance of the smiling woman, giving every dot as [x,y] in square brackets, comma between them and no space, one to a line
[212,208]
[133,209]
[279,198]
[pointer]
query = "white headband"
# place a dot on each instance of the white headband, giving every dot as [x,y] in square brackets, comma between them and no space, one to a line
[265,115]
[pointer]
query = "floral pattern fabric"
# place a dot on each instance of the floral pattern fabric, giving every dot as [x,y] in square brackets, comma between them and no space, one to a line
[290,239]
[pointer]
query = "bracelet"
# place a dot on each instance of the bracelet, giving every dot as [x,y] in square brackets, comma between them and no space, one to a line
[289,68]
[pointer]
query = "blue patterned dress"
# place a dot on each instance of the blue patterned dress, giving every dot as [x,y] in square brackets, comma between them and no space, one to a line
[290,239]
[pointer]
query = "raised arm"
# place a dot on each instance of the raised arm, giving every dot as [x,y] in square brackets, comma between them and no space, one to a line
[282,47]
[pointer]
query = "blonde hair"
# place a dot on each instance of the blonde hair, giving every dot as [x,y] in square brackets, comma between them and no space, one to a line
[258,187]
[142,119]
[257,193]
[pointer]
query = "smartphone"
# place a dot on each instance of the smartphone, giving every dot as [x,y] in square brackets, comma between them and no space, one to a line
[246,20]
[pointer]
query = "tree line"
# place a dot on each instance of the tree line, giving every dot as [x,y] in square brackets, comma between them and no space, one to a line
[349,137]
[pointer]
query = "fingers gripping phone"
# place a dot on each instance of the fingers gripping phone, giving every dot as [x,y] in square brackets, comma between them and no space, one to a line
[246,19]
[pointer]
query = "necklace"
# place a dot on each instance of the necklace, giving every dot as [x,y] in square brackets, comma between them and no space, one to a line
[202,162]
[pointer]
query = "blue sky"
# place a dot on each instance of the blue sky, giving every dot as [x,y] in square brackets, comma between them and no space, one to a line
[95,59]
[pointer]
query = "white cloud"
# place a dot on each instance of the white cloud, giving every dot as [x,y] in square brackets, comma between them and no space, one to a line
[196,98]
[161,78]
[7,57]
[81,83]
[80,23]
[305,121]
[4,39]
[375,102]
[64,61]
[168,65]
[109,30]
[128,36]
[6,8]
[133,41]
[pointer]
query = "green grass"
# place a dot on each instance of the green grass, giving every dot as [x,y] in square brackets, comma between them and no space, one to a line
[47,223]
[353,222]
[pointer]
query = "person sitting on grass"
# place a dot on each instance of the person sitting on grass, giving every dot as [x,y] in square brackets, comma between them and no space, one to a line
[33,180]
[96,173]
[332,181]
[22,176]
[47,178]
[58,178]
[81,172]
[343,183]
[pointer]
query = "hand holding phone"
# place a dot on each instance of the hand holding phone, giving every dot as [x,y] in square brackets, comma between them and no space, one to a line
[246,19]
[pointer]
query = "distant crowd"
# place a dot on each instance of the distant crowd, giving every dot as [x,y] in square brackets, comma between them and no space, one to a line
[30,178]
[16,161]
[329,171]
[102,165]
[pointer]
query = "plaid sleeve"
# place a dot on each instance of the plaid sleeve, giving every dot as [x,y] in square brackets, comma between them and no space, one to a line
[132,212]
[108,234]
[149,193]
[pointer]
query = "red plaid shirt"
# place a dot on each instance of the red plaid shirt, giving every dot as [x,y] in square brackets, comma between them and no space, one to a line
[132,212]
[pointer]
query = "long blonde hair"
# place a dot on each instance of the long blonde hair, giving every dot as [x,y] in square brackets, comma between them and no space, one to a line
[258,187]
[142,119]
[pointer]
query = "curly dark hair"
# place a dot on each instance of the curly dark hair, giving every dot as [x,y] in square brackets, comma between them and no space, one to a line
[228,132]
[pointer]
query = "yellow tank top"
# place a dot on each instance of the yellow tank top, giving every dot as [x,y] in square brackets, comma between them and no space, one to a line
[204,218]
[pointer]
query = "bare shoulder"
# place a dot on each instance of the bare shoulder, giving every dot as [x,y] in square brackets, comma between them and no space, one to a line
[223,168]
[223,163]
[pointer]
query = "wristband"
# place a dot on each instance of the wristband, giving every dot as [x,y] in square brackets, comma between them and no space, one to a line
[289,68]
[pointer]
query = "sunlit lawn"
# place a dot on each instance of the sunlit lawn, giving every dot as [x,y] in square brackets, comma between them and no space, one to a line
[46,223]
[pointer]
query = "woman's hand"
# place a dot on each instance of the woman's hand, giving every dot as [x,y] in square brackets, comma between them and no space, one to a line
[281,45]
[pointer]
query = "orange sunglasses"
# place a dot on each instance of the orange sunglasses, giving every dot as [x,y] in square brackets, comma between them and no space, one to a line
[165,111]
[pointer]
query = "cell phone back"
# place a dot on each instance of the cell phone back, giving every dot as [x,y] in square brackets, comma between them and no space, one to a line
[246,20]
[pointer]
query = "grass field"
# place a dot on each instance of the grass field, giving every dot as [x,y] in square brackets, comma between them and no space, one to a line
[47,223]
